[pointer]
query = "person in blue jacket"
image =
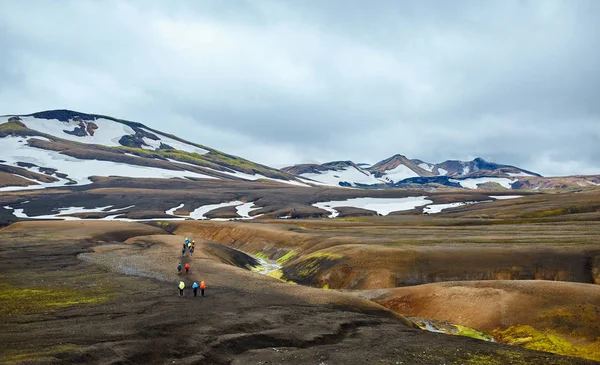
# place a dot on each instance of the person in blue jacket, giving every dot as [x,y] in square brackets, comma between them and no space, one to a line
[195,287]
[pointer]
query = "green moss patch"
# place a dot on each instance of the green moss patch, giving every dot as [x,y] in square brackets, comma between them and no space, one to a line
[23,300]
[472,332]
[547,341]
[287,257]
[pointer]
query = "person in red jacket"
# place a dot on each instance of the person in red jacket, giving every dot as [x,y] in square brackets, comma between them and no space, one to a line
[187,268]
[202,287]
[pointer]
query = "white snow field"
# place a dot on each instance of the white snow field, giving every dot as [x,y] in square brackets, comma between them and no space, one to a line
[400,173]
[472,183]
[442,172]
[383,206]
[172,210]
[15,149]
[350,175]
[511,174]
[503,197]
[426,167]
[199,213]
[173,143]
[242,175]
[242,209]
[63,213]
[437,208]
[245,209]
[108,133]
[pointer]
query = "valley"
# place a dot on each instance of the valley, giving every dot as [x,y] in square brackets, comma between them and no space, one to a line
[401,262]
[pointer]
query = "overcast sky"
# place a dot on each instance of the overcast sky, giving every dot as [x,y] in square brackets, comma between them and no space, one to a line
[284,82]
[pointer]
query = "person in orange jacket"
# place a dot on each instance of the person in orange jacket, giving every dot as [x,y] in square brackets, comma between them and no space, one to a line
[202,287]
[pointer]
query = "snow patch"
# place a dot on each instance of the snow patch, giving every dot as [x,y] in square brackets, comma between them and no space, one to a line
[173,143]
[511,174]
[426,167]
[503,197]
[172,210]
[199,213]
[400,173]
[63,213]
[442,172]
[245,209]
[472,183]
[77,169]
[108,133]
[436,208]
[382,206]
[350,175]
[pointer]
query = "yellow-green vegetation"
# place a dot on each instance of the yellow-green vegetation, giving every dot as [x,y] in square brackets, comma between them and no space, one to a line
[577,320]
[502,357]
[548,341]
[472,332]
[309,266]
[23,300]
[213,159]
[41,355]
[11,127]
[287,257]
[278,274]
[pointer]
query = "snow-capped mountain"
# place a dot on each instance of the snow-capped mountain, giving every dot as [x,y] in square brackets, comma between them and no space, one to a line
[63,147]
[399,171]
[337,173]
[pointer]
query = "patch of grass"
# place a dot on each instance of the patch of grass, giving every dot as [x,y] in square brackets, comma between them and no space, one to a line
[278,274]
[577,320]
[287,257]
[22,300]
[472,332]
[42,355]
[547,341]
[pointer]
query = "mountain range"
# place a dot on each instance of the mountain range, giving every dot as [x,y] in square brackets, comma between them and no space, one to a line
[399,171]
[64,148]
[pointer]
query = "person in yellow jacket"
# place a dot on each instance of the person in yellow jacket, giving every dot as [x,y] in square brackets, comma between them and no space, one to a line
[181,286]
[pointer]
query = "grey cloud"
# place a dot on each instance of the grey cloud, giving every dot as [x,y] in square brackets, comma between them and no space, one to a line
[512,81]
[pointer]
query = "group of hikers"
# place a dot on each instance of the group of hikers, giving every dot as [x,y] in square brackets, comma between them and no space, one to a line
[188,245]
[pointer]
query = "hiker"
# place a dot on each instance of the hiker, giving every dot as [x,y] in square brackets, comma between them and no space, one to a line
[191,250]
[202,287]
[181,286]
[187,240]
[179,267]
[183,250]
[187,268]
[195,287]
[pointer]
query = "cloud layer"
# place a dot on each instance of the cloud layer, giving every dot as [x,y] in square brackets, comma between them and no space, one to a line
[515,82]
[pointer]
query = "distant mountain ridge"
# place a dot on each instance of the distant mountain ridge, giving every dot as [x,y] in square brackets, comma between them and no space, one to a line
[400,171]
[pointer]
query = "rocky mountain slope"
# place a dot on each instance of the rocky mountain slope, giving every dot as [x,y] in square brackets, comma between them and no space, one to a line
[63,147]
[399,171]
